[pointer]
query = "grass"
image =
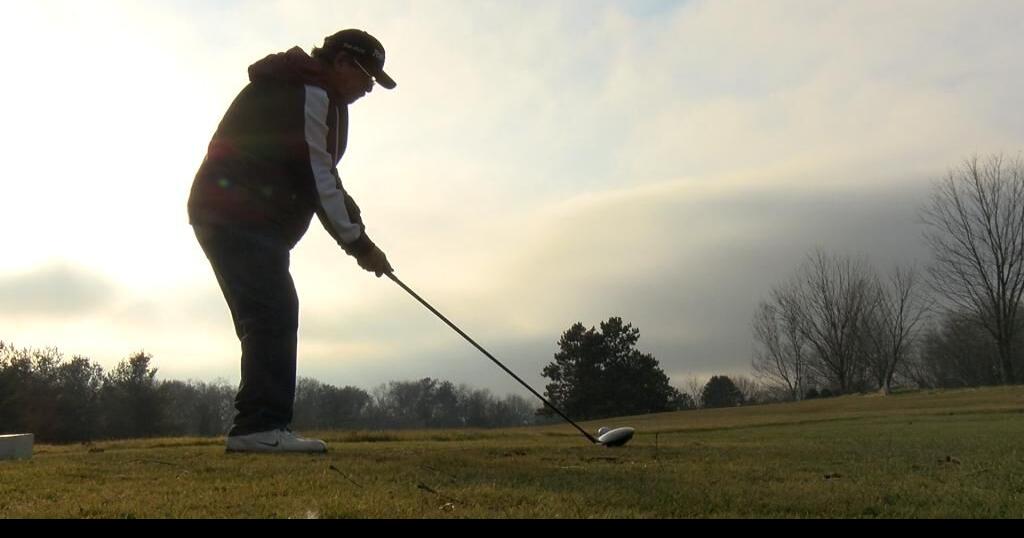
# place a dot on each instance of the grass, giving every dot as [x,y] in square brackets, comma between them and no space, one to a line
[929,454]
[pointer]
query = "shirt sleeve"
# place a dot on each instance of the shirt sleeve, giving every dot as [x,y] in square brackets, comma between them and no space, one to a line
[333,205]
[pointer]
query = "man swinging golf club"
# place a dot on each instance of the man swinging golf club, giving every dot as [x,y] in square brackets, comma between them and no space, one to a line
[270,166]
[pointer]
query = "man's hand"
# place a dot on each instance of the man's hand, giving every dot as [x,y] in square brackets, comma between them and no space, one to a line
[375,262]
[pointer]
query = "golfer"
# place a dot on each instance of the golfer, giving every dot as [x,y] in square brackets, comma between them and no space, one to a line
[270,166]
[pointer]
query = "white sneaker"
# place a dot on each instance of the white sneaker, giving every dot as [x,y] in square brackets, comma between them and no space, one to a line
[282,440]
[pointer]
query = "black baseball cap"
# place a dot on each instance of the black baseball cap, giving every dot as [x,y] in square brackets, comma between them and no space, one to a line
[365,49]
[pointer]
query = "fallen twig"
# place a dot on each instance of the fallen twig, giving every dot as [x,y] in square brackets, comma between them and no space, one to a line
[429,468]
[158,461]
[425,487]
[335,469]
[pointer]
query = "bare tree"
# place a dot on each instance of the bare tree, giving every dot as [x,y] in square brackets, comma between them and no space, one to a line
[832,301]
[693,386]
[915,368]
[975,220]
[893,324]
[958,352]
[770,359]
[780,359]
[750,389]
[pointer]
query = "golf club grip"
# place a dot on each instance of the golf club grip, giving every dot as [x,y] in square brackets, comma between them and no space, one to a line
[489,356]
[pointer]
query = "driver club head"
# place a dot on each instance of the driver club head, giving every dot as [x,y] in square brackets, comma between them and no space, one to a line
[614,437]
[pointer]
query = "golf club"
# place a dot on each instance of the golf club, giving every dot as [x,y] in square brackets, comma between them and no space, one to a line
[606,437]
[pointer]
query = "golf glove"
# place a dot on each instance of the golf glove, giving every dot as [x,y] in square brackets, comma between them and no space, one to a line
[375,262]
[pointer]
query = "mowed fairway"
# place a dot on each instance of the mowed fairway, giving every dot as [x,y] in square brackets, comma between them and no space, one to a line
[923,454]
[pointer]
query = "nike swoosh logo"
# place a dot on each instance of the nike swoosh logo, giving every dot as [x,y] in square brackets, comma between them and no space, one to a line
[275,443]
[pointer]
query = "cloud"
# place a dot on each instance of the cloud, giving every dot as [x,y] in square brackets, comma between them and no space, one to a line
[539,164]
[685,261]
[670,171]
[57,291]
[731,86]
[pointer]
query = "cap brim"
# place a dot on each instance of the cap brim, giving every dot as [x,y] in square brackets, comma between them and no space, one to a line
[384,80]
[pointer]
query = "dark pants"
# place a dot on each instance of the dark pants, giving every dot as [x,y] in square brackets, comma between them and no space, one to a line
[252,270]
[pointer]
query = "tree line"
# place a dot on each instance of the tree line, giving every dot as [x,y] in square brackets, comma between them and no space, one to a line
[596,373]
[75,400]
[839,325]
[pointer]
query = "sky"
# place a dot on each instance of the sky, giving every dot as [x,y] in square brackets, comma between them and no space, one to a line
[540,163]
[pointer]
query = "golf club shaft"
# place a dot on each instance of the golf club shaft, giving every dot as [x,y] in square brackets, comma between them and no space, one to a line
[489,356]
